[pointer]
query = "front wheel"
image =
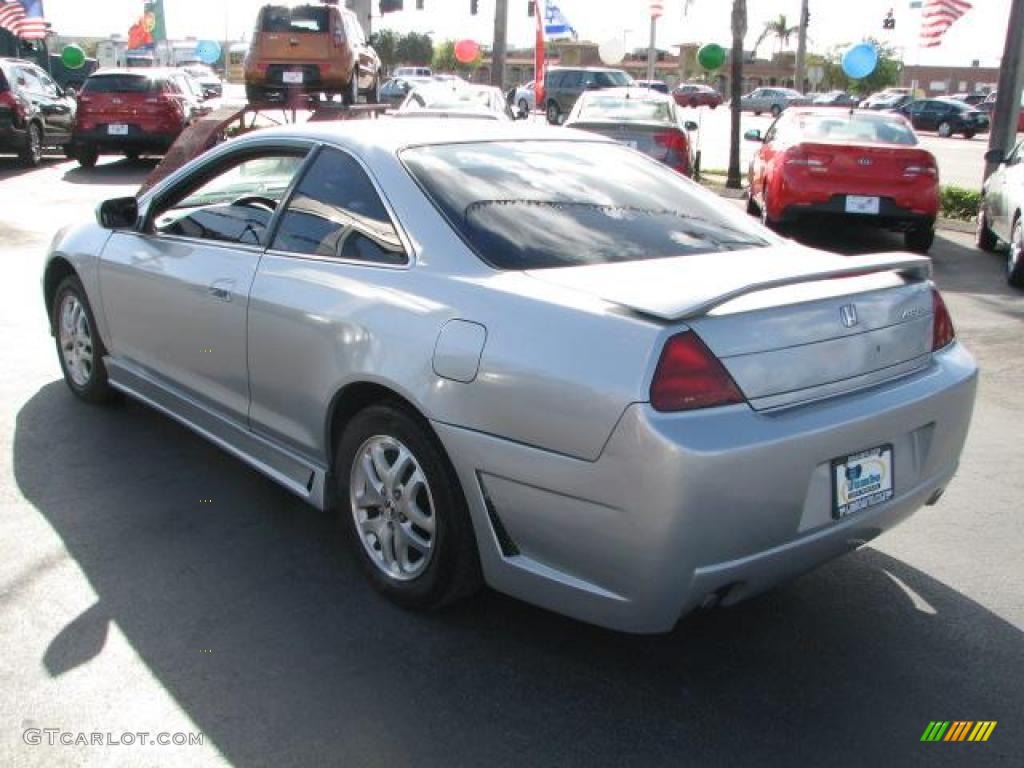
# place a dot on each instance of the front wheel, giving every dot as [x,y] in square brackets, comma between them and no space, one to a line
[32,152]
[919,239]
[1015,257]
[79,346]
[405,512]
[944,129]
[776,110]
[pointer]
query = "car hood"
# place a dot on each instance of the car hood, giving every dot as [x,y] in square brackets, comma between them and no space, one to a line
[683,287]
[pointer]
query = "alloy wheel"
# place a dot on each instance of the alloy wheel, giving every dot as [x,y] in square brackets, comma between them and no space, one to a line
[1016,252]
[393,508]
[76,340]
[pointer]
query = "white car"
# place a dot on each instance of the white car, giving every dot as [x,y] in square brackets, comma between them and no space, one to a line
[525,100]
[1001,218]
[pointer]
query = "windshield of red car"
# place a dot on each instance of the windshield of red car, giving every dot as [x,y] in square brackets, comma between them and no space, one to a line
[845,127]
[541,204]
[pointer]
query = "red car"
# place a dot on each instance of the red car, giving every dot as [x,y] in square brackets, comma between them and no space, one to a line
[128,112]
[696,95]
[861,164]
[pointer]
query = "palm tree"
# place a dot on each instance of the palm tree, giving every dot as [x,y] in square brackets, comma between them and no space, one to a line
[739,32]
[779,29]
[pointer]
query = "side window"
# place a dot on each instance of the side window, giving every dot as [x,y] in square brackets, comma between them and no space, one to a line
[236,204]
[337,213]
[571,80]
[554,80]
[49,87]
[28,81]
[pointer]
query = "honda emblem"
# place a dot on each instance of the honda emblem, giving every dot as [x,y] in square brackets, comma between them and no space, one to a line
[848,314]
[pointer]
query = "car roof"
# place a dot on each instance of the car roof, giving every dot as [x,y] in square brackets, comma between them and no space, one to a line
[392,135]
[584,69]
[138,71]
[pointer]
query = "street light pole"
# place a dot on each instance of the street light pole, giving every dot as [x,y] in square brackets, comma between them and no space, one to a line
[500,37]
[1011,80]
[657,8]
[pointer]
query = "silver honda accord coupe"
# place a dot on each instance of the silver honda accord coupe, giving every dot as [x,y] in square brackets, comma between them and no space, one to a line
[522,356]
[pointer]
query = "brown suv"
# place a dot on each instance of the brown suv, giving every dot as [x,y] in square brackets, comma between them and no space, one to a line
[563,85]
[310,49]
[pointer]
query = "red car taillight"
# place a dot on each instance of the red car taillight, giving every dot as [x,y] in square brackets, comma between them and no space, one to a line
[921,168]
[678,147]
[943,333]
[13,103]
[688,376]
[816,162]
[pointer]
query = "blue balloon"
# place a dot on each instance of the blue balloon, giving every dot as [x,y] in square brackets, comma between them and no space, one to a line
[208,51]
[860,60]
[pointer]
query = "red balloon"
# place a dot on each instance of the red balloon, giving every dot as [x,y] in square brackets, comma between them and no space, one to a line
[466,51]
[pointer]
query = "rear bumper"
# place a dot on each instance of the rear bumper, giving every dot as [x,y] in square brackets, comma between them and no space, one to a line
[11,139]
[890,215]
[137,139]
[724,502]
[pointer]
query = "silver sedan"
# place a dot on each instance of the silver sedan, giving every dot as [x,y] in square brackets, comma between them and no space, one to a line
[1001,218]
[524,356]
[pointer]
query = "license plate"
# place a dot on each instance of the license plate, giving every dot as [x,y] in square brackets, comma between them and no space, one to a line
[861,481]
[292,78]
[117,130]
[861,204]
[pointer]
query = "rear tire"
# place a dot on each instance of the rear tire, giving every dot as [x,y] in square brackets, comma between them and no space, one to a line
[87,156]
[1015,258]
[776,110]
[752,209]
[524,107]
[984,237]
[399,497]
[554,114]
[31,154]
[351,96]
[79,347]
[919,239]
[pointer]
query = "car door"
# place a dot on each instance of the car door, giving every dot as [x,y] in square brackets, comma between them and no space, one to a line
[58,110]
[763,160]
[334,276]
[175,293]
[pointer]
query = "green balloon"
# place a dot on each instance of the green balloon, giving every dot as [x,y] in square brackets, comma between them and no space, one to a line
[711,56]
[73,57]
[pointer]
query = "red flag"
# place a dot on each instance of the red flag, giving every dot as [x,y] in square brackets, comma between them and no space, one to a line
[538,57]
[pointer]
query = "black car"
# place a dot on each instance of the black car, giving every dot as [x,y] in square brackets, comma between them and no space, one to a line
[35,113]
[945,117]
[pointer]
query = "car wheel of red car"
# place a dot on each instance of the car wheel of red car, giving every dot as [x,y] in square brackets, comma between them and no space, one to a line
[1015,258]
[693,103]
[765,219]
[751,205]
[32,152]
[87,156]
[919,239]
[984,238]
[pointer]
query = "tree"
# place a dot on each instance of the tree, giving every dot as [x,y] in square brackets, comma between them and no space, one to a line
[739,32]
[445,61]
[415,49]
[779,29]
[385,43]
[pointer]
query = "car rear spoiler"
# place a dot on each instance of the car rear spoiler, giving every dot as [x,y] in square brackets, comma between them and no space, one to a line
[706,298]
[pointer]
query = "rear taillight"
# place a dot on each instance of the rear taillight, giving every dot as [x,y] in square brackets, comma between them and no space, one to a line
[688,376]
[816,162]
[678,147]
[921,166]
[943,333]
[13,103]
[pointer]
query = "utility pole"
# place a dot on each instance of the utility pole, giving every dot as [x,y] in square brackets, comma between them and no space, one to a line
[500,37]
[1011,80]
[801,46]
[657,8]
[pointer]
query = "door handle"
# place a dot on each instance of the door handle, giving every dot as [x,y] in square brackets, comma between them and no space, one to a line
[221,290]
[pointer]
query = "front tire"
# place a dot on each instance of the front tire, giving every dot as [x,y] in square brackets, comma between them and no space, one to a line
[32,153]
[776,110]
[944,129]
[554,114]
[79,347]
[405,513]
[351,96]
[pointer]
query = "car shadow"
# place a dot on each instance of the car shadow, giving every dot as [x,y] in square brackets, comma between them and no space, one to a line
[187,549]
[120,172]
[11,166]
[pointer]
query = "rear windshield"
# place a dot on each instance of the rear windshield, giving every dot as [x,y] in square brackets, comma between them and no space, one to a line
[622,109]
[542,204]
[449,99]
[860,127]
[120,83]
[305,18]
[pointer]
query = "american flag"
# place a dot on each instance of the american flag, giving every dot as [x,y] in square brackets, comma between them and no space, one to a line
[24,19]
[938,16]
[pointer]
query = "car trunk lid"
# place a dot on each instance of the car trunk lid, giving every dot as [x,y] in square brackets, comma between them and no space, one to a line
[790,324]
[651,138]
[867,162]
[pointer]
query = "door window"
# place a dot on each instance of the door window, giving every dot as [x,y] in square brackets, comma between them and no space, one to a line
[337,213]
[236,204]
[28,80]
[49,87]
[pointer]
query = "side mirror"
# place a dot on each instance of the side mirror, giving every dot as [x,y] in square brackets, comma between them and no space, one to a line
[118,213]
[753,135]
[690,125]
[995,156]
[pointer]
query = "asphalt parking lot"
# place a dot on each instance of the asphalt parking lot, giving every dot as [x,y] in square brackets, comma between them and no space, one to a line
[150,582]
